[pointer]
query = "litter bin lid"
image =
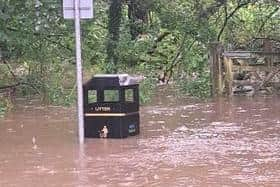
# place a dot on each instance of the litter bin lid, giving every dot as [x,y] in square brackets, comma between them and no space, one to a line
[112,80]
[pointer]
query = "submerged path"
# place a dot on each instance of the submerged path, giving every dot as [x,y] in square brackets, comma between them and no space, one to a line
[182,143]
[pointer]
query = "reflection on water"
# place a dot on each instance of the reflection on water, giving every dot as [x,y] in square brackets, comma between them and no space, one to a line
[182,143]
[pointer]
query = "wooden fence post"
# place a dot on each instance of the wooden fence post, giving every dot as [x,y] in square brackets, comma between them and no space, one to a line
[215,53]
[229,75]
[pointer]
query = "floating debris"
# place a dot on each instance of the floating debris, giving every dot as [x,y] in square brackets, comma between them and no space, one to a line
[34,143]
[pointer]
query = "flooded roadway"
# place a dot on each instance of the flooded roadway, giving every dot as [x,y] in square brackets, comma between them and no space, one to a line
[182,143]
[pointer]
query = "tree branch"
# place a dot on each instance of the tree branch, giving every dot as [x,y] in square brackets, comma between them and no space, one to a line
[58,43]
[34,33]
[176,59]
[10,69]
[9,86]
[224,24]
[157,40]
[266,38]
[267,18]
[162,36]
[44,35]
[18,84]
[228,16]
[212,9]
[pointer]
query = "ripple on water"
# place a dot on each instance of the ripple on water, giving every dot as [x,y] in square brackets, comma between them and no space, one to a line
[199,147]
[187,146]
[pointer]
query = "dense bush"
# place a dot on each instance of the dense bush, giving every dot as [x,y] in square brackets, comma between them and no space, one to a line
[5,105]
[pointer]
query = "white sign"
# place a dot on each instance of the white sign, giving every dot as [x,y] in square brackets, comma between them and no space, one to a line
[86,9]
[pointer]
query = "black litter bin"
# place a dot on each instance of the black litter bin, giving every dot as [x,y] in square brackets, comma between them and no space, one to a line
[111,106]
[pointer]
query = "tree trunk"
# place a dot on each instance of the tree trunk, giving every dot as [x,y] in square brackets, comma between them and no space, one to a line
[115,14]
[138,14]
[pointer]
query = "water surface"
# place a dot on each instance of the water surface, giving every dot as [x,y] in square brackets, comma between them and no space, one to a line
[224,142]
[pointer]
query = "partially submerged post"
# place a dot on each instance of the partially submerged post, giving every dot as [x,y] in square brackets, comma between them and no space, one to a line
[78,9]
[215,62]
[228,76]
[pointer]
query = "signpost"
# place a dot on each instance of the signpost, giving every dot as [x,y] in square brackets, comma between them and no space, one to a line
[78,9]
[85,8]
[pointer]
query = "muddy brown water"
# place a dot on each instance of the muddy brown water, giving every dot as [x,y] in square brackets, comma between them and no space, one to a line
[224,142]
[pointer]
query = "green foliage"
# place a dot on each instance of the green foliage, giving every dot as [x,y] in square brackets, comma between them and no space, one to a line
[255,21]
[58,95]
[54,82]
[197,86]
[2,109]
[5,105]
[147,88]
[39,43]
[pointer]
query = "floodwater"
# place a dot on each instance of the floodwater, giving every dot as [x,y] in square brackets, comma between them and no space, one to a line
[224,142]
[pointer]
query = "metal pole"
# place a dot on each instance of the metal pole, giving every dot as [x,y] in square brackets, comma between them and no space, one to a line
[79,76]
